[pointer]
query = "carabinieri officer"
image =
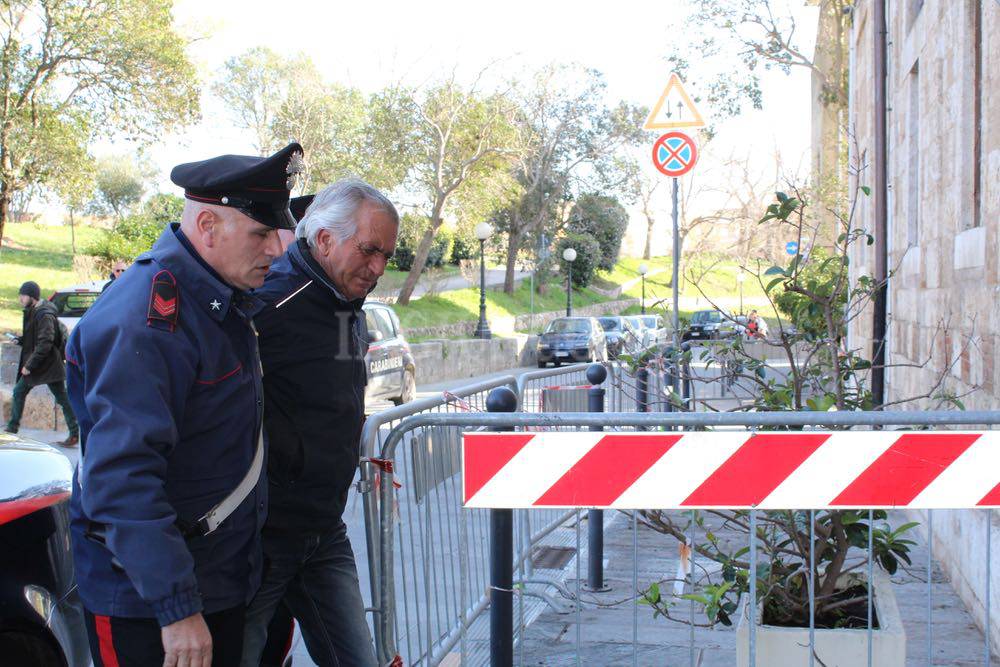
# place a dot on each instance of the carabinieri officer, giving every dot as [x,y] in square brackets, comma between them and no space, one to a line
[164,376]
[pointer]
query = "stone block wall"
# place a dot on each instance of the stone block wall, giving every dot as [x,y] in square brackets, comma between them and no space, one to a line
[944,319]
[440,360]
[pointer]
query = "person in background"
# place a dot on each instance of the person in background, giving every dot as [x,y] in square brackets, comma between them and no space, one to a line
[41,360]
[756,327]
[117,269]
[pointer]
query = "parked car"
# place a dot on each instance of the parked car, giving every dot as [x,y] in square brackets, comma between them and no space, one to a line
[646,336]
[657,328]
[72,302]
[41,617]
[571,339]
[392,373]
[621,335]
[705,325]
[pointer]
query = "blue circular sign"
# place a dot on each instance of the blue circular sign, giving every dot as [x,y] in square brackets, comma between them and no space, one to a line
[792,247]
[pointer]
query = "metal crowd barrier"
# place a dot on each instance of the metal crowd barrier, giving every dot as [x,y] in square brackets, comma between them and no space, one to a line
[451,588]
[436,607]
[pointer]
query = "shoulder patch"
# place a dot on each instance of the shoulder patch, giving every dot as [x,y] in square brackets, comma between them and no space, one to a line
[164,302]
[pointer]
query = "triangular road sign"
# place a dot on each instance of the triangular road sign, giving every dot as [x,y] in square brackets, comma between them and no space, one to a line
[674,109]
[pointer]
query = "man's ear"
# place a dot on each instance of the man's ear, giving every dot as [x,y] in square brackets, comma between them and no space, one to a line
[207,223]
[324,242]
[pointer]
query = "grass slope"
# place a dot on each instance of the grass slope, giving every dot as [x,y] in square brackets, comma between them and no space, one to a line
[40,253]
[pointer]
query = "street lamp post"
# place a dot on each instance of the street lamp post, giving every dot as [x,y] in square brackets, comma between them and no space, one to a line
[739,279]
[483,231]
[643,270]
[570,256]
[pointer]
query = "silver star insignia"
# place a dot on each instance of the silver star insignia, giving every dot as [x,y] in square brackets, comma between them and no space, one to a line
[215,304]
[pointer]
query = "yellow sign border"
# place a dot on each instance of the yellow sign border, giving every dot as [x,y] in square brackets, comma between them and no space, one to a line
[675,82]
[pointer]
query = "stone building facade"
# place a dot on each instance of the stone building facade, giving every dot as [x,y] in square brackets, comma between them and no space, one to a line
[943,124]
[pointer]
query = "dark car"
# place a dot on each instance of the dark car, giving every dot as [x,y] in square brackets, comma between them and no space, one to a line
[621,335]
[569,339]
[41,617]
[392,373]
[705,325]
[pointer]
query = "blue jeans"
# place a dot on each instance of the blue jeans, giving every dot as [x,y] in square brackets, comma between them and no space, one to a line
[318,580]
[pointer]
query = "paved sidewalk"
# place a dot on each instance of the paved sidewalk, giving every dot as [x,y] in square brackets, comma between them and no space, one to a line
[605,621]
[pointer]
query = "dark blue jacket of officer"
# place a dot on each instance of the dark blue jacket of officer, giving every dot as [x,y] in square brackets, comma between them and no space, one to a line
[160,411]
[164,376]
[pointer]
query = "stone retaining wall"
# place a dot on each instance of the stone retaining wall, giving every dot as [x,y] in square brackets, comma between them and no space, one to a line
[440,360]
[524,322]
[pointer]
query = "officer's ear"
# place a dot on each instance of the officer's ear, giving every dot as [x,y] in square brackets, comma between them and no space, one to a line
[207,224]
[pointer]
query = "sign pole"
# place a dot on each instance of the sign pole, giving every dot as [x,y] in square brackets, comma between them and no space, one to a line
[676,272]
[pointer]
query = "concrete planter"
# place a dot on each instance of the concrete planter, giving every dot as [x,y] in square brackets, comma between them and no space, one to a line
[778,647]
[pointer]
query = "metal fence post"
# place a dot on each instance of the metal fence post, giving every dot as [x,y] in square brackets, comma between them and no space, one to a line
[502,399]
[642,392]
[596,375]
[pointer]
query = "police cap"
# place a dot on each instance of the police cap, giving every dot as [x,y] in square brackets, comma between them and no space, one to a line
[258,186]
[298,206]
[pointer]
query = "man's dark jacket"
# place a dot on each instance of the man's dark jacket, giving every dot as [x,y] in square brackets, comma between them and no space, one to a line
[312,345]
[39,345]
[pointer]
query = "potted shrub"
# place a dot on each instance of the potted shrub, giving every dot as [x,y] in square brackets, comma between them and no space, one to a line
[815,301]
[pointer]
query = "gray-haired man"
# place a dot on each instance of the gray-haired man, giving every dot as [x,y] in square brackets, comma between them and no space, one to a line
[312,346]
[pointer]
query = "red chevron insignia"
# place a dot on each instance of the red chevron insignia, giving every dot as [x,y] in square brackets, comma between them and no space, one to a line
[164,302]
[165,307]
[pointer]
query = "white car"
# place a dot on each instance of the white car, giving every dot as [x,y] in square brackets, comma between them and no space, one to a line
[72,302]
[656,328]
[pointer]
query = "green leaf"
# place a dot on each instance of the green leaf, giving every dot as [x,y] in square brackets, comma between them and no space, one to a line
[771,285]
[775,270]
[867,190]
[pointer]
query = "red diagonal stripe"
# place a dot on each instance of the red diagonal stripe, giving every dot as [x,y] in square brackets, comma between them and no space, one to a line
[486,453]
[991,499]
[755,469]
[905,469]
[607,470]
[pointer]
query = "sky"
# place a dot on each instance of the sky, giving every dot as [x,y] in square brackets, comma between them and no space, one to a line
[370,45]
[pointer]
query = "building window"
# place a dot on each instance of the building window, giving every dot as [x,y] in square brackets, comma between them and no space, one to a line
[913,159]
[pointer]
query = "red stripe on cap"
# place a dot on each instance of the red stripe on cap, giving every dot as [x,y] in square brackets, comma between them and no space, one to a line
[108,654]
[905,469]
[991,499]
[607,470]
[485,454]
[207,200]
[755,469]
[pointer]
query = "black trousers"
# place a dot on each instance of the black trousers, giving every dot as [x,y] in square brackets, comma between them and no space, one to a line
[136,642]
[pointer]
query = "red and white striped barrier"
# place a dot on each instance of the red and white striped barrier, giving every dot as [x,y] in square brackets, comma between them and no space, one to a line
[766,470]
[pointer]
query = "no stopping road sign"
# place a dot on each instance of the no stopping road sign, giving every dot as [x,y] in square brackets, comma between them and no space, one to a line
[674,154]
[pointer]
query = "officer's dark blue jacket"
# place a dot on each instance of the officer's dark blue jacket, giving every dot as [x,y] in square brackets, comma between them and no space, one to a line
[169,418]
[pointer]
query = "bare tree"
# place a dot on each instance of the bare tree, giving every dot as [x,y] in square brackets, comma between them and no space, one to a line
[460,138]
[563,127]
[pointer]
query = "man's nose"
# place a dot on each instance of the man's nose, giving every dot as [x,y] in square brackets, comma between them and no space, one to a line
[378,264]
[273,248]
